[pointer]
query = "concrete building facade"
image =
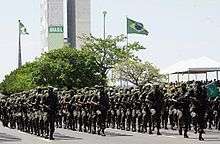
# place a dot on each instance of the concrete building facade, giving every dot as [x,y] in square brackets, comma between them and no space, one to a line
[78,21]
[52,24]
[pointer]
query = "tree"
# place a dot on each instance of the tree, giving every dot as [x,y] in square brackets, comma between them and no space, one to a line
[137,72]
[66,67]
[19,80]
[110,51]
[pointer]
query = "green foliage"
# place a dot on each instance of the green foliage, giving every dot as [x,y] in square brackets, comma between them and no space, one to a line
[110,51]
[19,80]
[69,67]
[136,72]
[65,67]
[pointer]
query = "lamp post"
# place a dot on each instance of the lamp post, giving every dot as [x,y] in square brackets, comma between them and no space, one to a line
[104,13]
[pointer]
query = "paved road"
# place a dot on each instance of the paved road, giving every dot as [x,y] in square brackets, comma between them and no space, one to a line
[62,136]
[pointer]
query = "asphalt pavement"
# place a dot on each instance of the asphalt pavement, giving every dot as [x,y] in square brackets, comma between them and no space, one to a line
[64,136]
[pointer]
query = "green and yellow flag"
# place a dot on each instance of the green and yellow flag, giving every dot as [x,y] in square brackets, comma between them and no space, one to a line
[22,28]
[135,27]
[212,90]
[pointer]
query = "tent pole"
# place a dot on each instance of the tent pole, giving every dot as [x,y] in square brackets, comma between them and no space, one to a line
[196,77]
[188,75]
[178,77]
[216,75]
[168,77]
[206,77]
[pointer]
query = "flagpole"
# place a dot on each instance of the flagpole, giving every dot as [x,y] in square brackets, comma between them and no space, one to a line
[104,26]
[127,38]
[19,46]
[127,48]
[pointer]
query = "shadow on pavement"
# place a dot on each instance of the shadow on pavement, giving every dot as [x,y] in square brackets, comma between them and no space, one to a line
[212,132]
[209,138]
[59,136]
[167,133]
[115,134]
[8,138]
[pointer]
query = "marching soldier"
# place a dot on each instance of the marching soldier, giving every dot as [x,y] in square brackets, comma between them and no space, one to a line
[201,99]
[52,106]
[183,112]
[103,107]
[155,98]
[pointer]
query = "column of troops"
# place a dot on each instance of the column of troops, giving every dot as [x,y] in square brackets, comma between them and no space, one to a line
[144,109]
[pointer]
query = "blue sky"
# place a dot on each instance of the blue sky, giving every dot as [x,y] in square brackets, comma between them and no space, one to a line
[178,29]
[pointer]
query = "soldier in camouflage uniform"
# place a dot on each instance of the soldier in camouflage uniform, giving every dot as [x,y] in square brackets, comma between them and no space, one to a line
[201,107]
[52,106]
[155,98]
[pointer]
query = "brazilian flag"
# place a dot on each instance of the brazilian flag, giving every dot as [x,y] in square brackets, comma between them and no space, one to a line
[22,28]
[135,27]
[212,90]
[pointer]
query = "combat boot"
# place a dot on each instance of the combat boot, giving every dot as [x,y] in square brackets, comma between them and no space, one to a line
[185,134]
[103,133]
[180,131]
[200,137]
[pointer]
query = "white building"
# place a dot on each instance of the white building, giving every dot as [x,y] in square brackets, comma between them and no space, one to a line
[52,24]
[78,21]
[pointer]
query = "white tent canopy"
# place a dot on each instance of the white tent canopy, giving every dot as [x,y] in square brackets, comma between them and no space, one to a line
[199,65]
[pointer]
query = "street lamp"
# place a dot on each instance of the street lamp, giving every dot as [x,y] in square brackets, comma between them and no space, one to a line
[104,13]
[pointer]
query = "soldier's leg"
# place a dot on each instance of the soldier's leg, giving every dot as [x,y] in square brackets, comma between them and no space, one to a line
[145,121]
[89,124]
[103,122]
[128,127]
[139,123]
[123,122]
[166,120]
[74,123]
[113,121]
[186,127]
[57,121]
[31,126]
[38,127]
[153,122]
[85,123]
[65,121]
[35,126]
[22,123]
[80,123]
[46,128]
[150,124]
[70,122]
[99,124]
[41,127]
[134,121]
[180,126]
[118,121]
[163,120]
[60,121]
[158,122]
[94,120]
[108,119]
[210,121]
[10,121]
[52,127]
